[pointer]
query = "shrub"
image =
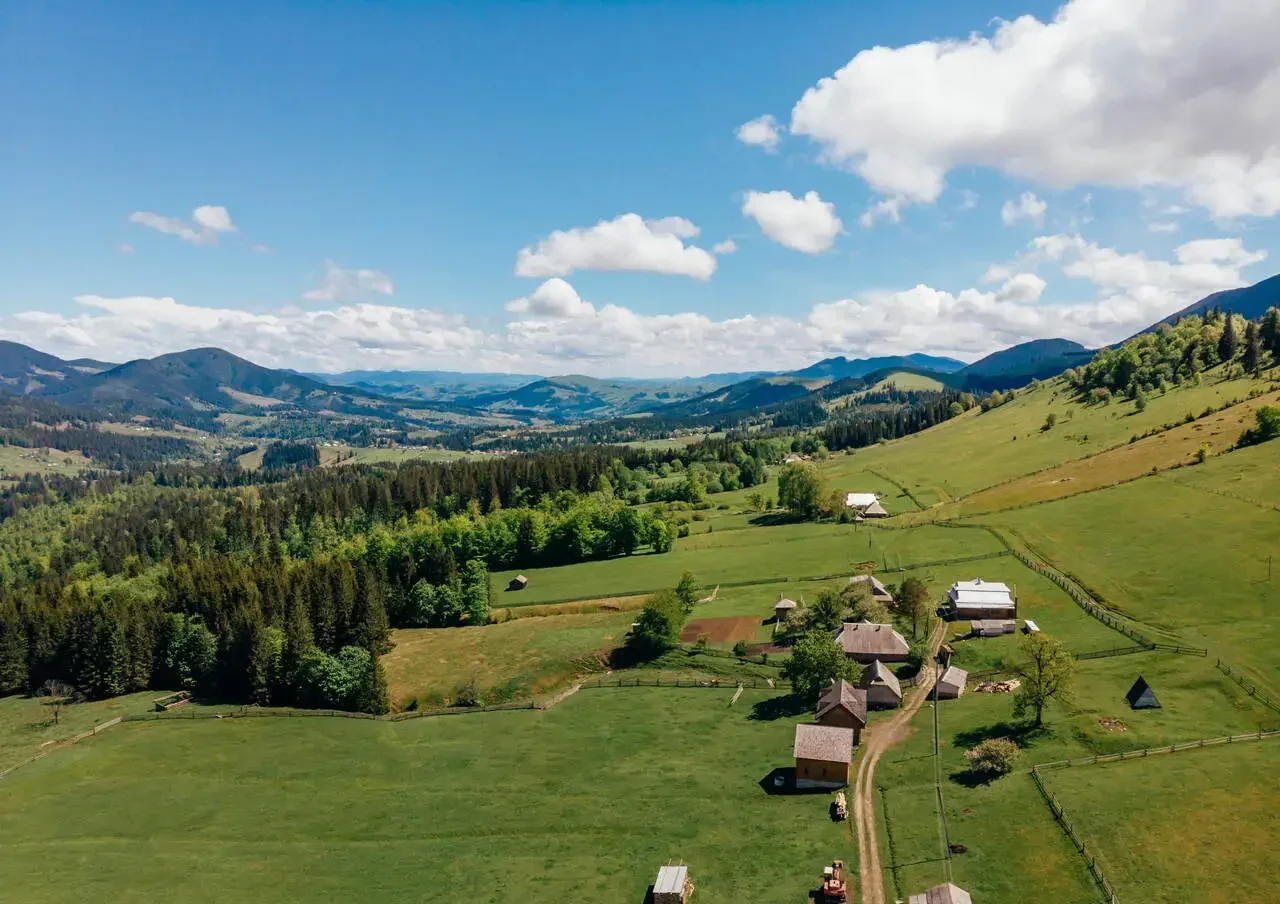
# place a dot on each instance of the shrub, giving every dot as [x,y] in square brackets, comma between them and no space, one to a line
[992,758]
[740,649]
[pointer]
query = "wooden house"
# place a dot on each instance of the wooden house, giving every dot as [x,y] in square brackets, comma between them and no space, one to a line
[951,684]
[867,642]
[823,754]
[881,685]
[843,706]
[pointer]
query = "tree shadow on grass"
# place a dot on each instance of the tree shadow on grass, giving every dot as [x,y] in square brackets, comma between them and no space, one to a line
[1024,734]
[969,779]
[774,708]
[773,519]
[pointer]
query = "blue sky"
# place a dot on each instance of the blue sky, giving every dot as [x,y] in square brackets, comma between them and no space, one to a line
[372,172]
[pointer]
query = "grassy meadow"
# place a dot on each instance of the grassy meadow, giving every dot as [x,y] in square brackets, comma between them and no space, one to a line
[27,726]
[581,802]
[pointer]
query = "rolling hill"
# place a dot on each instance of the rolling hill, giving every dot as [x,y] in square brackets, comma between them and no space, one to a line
[1020,364]
[839,368]
[1250,302]
[27,371]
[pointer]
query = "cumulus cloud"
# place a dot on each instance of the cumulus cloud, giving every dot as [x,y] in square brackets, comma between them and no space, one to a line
[627,242]
[806,224]
[1166,227]
[553,330]
[886,209]
[206,222]
[1178,93]
[338,284]
[555,298]
[1028,207]
[728,246]
[763,131]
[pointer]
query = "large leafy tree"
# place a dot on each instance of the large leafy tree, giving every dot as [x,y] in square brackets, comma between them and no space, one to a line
[658,627]
[800,490]
[913,602]
[1047,670]
[817,660]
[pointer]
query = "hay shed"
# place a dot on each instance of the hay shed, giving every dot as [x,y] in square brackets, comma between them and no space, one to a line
[519,582]
[951,684]
[1141,696]
[672,885]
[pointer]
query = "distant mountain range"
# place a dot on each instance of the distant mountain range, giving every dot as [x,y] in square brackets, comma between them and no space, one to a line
[202,384]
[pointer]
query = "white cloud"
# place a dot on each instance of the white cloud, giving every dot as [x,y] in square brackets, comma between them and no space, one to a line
[763,131]
[968,199]
[627,242]
[728,246]
[1179,93]
[206,222]
[553,330]
[806,224]
[338,284]
[1166,227]
[1028,207]
[555,298]
[887,209]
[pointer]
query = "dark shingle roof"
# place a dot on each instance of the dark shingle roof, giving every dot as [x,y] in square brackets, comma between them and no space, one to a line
[843,694]
[823,742]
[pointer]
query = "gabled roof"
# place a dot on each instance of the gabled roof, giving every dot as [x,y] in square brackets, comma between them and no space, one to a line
[878,674]
[670,880]
[1141,696]
[954,677]
[980,584]
[877,588]
[860,500]
[823,742]
[874,508]
[943,894]
[844,695]
[869,639]
[785,603]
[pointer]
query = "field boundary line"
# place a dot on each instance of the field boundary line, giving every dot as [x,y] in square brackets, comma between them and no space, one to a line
[1090,859]
[901,486]
[1249,686]
[1261,734]
[74,739]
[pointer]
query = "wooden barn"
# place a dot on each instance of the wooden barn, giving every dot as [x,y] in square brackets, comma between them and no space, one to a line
[823,754]
[1141,696]
[942,894]
[843,706]
[866,642]
[951,684]
[881,685]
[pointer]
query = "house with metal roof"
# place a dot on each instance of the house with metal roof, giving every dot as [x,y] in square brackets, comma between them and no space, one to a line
[942,894]
[981,599]
[866,504]
[882,686]
[951,684]
[867,641]
[822,754]
[843,705]
[672,885]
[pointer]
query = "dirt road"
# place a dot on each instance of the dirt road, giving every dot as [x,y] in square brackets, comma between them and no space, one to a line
[874,743]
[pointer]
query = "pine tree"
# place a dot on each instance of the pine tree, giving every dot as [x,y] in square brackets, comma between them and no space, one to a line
[1227,343]
[1269,332]
[1252,349]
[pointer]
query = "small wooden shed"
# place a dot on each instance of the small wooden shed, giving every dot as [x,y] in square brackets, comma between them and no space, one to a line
[951,684]
[823,754]
[1141,696]
[672,885]
[843,706]
[783,609]
[519,582]
[882,686]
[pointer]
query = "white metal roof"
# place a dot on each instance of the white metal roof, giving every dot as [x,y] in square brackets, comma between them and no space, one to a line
[860,500]
[670,880]
[980,598]
[980,584]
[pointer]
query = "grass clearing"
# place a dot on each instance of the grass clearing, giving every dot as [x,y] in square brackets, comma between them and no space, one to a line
[520,658]
[581,802]
[1193,826]
[26,723]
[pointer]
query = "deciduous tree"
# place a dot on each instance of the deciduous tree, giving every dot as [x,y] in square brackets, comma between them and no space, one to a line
[817,660]
[1047,670]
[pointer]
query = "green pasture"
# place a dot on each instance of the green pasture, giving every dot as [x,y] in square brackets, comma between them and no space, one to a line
[1186,561]
[579,803]
[1198,825]
[980,449]
[749,554]
[27,726]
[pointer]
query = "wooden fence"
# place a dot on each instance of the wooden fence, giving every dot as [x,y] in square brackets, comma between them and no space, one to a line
[1091,859]
[1249,686]
[75,739]
[659,681]
[1260,735]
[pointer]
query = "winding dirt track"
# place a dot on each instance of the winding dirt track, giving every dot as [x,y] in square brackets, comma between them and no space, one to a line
[875,742]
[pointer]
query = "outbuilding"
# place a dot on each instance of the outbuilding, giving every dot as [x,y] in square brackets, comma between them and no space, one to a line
[981,599]
[866,642]
[951,684]
[823,754]
[843,706]
[672,885]
[866,504]
[879,592]
[942,894]
[993,627]
[783,609]
[1141,696]
[882,686]
[519,582]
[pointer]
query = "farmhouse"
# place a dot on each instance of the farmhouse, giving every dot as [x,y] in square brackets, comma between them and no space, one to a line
[879,592]
[866,642]
[823,754]
[672,885]
[942,894]
[951,684]
[981,599]
[843,706]
[866,504]
[881,685]
[993,627]
[783,609]
[1141,696]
